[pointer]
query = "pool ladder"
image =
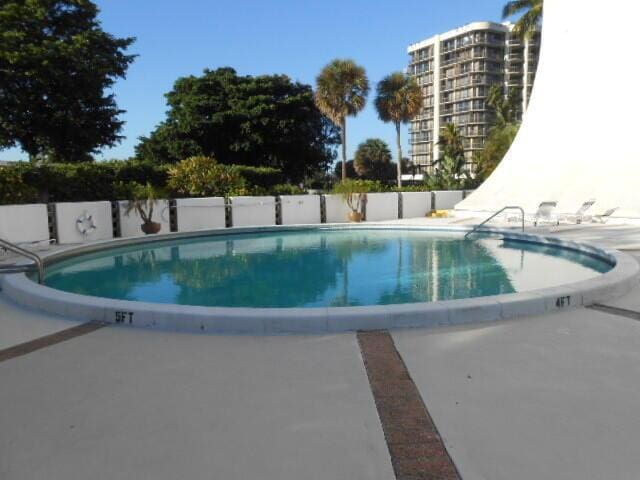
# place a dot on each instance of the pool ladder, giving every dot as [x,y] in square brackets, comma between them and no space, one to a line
[6,245]
[485,221]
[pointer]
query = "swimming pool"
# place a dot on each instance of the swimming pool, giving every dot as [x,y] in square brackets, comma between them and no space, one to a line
[320,268]
[327,278]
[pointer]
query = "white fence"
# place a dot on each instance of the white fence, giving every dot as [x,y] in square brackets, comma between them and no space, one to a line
[90,221]
[300,209]
[83,222]
[24,223]
[131,223]
[447,199]
[415,204]
[382,206]
[253,211]
[200,213]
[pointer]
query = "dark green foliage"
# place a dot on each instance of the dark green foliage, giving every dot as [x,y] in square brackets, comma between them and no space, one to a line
[264,121]
[286,189]
[351,171]
[13,188]
[73,182]
[495,148]
[502,132]
[56,67]
[504,106]
[531,18]
[261,177]
[28,182]
[204,177]
[373,161]
[450,172]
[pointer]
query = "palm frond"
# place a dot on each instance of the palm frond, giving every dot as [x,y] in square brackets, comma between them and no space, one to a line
[341,89]
[398,98]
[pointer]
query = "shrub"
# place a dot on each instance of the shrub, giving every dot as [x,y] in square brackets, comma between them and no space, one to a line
[203,176]
[353,190]
[283,189]
[13,189]
[423,187]
[262,177]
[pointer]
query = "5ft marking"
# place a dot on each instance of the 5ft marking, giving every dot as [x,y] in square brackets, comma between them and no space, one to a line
[122,317]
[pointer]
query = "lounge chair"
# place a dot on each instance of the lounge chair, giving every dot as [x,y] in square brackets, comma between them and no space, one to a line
[34,245]
[581,214]
[546,215]
[602,218]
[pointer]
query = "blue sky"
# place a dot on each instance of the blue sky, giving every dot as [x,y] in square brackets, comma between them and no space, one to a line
[294,37]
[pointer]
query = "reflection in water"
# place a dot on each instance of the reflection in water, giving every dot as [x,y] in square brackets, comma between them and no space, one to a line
[288,269]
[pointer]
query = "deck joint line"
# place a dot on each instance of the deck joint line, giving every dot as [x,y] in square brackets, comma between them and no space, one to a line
[40,343]
[620,312]
[415,445]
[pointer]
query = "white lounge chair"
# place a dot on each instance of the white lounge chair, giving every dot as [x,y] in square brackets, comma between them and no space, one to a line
[546,214]
[581,214]
[602,218]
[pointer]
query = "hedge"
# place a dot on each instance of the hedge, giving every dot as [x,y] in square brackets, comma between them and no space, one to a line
[59,182]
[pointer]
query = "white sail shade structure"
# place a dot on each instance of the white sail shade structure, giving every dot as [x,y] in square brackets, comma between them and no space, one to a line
[580,137]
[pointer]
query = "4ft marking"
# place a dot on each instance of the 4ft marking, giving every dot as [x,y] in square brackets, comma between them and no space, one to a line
[562,302]
[123,317]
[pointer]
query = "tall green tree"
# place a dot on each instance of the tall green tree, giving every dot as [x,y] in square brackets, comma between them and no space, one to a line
[341,91]
[398,100]
[450,170]
[504,106]
[372,160]
[531,17]
[56,68]
[502,132]
[267,121]
[495,148]
[452,142]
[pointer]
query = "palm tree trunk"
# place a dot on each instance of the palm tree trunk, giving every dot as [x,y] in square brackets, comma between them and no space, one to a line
[343,139]
[399,154]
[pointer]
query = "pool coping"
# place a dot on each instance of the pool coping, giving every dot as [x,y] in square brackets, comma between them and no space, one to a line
[236,320]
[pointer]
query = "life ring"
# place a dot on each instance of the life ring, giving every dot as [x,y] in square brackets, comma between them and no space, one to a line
[85,224]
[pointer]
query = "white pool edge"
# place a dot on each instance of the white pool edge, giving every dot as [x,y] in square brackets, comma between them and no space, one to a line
[617,282]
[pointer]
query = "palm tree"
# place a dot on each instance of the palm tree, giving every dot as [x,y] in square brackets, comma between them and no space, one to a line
[529,21]
[398,100]
[341,91]
[452,141]
[505,106]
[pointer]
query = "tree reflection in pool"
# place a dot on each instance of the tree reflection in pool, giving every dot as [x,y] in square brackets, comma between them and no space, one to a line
[313,268]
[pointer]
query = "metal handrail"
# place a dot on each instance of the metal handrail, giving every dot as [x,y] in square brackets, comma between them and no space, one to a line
[22,251]
[510,207]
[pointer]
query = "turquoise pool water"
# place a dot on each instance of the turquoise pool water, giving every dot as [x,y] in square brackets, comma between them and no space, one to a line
[319,268]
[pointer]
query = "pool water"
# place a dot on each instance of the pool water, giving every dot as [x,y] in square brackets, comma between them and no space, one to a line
[320,268]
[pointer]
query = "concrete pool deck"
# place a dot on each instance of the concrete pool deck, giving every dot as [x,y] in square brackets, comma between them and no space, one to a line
[554,396]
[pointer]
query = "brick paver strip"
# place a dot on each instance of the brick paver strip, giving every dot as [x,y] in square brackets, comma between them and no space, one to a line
[48,340]
[416,448]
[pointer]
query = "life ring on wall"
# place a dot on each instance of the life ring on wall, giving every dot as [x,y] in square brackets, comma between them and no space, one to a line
[85,224]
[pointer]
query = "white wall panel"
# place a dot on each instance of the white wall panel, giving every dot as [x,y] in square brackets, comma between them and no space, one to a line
[415,204]
[336,209]
[24,223]
[253,211]
[382,206]
[92,217]
[200,213]
[447,199]
[130,224]
[300,209]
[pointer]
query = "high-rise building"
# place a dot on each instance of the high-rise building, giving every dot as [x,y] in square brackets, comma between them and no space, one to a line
[456,70]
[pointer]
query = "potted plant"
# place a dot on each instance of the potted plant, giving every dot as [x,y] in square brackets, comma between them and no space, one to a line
[354,194]
[142,200]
